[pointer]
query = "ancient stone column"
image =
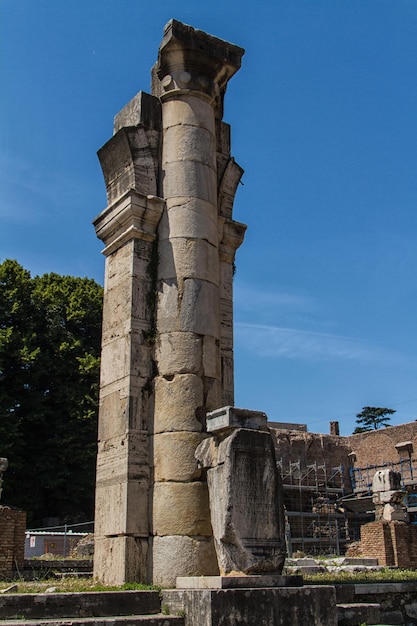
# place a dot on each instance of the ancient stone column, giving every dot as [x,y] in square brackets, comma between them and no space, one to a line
[167,346]
[128,227]
[190,79]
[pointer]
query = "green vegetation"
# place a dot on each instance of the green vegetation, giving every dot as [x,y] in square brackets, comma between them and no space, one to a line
[73,585]
[50,334]
[386,575]
[79,584]
[372,418]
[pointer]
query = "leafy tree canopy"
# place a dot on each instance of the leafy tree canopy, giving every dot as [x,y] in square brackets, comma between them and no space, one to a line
[50,329]
[372,418]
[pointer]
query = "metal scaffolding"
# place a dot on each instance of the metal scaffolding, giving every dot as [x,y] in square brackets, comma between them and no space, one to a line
[315,523]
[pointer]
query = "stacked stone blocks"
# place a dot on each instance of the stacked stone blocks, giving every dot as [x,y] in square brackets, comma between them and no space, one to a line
[167,352]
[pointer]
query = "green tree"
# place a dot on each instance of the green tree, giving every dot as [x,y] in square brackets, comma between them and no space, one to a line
[50,329]
[372,418]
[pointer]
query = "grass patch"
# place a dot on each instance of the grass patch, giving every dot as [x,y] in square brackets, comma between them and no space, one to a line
[387,575]
[73,585]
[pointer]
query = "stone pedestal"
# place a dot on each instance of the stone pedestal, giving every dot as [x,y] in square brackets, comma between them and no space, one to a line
[240,603]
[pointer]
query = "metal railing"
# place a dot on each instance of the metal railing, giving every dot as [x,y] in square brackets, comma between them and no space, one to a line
[65,529]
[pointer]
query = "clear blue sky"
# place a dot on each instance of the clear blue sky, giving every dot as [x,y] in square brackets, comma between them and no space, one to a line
[324,122]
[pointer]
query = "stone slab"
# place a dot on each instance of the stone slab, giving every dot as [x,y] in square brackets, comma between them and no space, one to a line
[72,605]
[237,582]
[231,417]
[354,614]
[279,606]
[118,620]
[356,561]
[307,569]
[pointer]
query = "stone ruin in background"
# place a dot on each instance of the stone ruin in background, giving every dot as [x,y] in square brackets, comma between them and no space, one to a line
[388,496]
[389,538]
[12,533]
[167,346]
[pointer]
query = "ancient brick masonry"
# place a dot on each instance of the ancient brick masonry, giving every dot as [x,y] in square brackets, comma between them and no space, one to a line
[392,543]
[12,540]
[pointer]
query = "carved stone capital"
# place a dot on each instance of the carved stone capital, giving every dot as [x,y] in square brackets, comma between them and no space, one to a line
[189,60]
[133,216]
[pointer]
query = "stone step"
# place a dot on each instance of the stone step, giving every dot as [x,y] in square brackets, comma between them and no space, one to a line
[55,606]
[358,613]
[120,620]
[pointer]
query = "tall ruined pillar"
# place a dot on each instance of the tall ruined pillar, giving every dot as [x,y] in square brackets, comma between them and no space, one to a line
[128,227]
[167,339]
[193,69]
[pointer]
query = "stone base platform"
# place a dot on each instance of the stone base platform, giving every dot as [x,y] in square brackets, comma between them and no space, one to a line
[238,582]
[231,601]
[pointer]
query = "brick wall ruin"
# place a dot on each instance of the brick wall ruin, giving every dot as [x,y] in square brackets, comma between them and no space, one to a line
[12,540]
[392,543]
[378,446]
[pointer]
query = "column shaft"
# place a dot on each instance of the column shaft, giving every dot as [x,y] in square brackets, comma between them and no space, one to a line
[188,315]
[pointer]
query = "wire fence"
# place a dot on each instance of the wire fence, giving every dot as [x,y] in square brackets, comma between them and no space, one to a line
[63,536]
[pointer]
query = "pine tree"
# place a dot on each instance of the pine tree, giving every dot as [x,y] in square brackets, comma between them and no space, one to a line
[372,418]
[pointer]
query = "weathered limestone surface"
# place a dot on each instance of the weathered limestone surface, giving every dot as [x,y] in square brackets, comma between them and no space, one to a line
[246,500]
[120,558]
[228,417]
[181,509]
[184,554]
[167,346]
[178,353]
[130,159]
[176,403]
[191,73]
[128,229]
[174,456]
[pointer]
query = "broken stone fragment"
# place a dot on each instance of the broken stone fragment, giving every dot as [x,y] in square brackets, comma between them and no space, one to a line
[246,501]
